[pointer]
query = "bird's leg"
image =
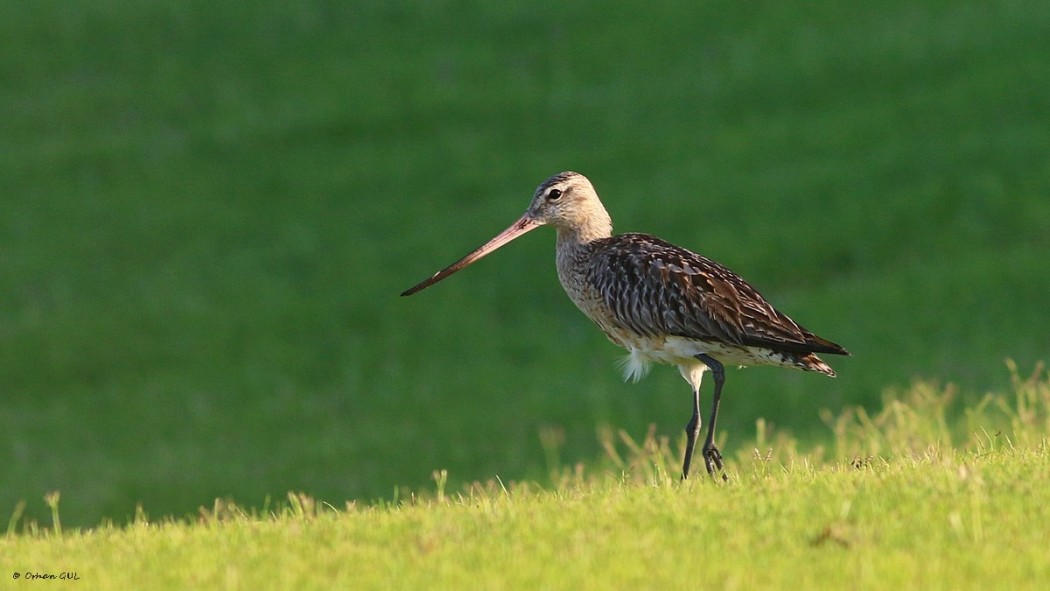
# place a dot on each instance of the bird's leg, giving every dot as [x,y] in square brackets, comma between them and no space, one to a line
[692,433]
[713,457]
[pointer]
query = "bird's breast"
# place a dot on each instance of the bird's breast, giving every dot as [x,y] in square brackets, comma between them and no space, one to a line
[573,274]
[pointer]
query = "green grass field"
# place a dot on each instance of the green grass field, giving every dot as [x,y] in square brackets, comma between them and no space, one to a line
[208,212]
[939,510]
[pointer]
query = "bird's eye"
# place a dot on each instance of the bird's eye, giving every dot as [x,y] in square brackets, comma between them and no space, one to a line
[554,195]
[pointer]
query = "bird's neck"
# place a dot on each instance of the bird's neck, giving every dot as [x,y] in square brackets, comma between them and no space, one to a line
[575,247]
[596,225]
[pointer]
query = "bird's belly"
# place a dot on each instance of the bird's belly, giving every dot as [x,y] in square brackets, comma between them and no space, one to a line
[675,350]
[682,351]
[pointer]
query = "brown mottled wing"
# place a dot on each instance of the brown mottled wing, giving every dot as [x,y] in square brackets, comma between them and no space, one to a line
[654,287]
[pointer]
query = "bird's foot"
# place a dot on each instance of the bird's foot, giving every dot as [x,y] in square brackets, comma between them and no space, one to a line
[713,460]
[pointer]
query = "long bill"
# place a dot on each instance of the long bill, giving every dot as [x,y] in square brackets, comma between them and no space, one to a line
[523,225]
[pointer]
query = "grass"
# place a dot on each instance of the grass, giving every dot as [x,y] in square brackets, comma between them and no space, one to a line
[209,212]
[935,509]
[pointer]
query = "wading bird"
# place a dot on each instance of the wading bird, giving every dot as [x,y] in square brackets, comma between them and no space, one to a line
[661,302]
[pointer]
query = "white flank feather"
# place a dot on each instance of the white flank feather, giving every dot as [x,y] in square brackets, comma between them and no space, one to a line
[635,365]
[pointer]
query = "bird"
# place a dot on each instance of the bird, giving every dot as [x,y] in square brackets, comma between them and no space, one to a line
[663,303]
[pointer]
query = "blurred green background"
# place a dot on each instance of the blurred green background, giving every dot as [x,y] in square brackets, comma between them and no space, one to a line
[209,210]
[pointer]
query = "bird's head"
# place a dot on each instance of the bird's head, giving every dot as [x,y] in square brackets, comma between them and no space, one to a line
[569,202]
